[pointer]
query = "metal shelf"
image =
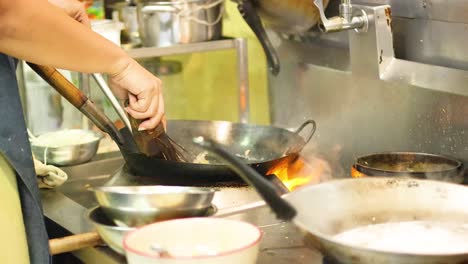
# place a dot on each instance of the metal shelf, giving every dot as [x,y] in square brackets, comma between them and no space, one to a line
[239,44]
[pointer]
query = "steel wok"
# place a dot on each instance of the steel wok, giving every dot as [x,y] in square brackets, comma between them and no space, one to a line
[265,147]
[324,210]
[292,16]
[361,202]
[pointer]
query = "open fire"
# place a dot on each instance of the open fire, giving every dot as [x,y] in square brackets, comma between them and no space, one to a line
[300,172]
[355,173]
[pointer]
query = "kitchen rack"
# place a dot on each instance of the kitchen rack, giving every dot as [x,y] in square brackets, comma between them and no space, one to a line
[239,44]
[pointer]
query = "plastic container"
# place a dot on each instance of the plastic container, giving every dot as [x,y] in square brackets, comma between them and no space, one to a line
[109,29]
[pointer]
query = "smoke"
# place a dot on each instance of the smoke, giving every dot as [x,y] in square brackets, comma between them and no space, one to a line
[328,159]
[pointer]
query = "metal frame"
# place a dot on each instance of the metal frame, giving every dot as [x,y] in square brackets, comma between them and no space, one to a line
[372,55]
[239,44]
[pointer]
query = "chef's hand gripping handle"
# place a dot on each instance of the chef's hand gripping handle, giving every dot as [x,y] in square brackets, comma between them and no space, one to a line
[250,16]
[73,95]
[267,190]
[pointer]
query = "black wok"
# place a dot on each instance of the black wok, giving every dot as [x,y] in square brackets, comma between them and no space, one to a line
[262,147]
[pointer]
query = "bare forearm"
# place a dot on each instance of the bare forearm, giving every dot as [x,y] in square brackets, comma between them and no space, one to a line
[36,31]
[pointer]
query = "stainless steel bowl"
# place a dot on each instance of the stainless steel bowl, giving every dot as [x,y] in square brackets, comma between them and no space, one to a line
[110,233]
[67,155]
[141,205]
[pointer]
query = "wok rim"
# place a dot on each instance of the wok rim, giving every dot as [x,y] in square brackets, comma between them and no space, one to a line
[302,142]
[359,163]
[124,190]
[91,213]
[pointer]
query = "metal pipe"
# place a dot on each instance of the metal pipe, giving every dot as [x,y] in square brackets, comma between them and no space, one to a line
[115,103]
[345,21]
[243,75]
[346,10]
[84,85]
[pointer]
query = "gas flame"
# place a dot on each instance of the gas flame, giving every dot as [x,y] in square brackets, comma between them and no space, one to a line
[355,173]
[299,172]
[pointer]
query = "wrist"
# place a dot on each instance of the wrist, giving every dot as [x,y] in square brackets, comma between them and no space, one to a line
[120,66]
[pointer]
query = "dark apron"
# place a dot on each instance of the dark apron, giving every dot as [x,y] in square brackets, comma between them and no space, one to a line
[15,147]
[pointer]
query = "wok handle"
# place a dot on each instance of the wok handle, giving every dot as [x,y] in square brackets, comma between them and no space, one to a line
[60,84]
[248,12]
[312,131]
[283,209]
[74,242]
[78,99]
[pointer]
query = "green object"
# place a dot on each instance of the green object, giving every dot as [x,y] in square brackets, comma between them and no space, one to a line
[96,11]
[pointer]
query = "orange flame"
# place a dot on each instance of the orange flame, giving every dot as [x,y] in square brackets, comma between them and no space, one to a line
[355,173]
[298,172]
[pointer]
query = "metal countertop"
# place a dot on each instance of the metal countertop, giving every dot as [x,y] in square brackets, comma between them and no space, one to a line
[67,206]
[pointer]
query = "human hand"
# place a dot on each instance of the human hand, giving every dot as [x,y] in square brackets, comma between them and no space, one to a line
[74,8]
[144,92]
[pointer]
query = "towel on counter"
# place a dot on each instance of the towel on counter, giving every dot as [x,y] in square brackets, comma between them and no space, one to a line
[49,176]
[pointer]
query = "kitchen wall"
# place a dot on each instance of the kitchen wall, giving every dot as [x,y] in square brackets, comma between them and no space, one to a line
[358,114]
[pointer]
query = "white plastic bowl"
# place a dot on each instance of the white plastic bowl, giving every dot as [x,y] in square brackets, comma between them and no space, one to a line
[194,240]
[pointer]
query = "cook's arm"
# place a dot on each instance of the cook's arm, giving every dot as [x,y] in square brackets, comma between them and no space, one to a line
[37,31]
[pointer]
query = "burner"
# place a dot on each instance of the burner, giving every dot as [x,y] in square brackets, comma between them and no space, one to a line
[327,260]
[124,177]
[229,193]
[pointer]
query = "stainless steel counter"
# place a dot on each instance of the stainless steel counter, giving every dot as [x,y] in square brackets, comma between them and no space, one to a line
[67,205]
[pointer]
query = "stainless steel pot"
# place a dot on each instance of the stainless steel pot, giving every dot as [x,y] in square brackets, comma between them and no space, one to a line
[127,13]
[166,23]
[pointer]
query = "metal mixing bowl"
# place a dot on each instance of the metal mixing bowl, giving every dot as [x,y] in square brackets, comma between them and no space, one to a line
[110,233]
[141,205]
[67,155]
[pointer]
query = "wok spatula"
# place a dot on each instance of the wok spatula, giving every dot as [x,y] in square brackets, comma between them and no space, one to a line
[78,100]
[154,143]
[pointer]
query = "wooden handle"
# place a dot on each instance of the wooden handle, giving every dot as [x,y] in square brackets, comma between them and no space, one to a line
[60,84]
[75,242]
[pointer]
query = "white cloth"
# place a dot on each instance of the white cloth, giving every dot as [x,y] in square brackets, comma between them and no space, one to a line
[49,176]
